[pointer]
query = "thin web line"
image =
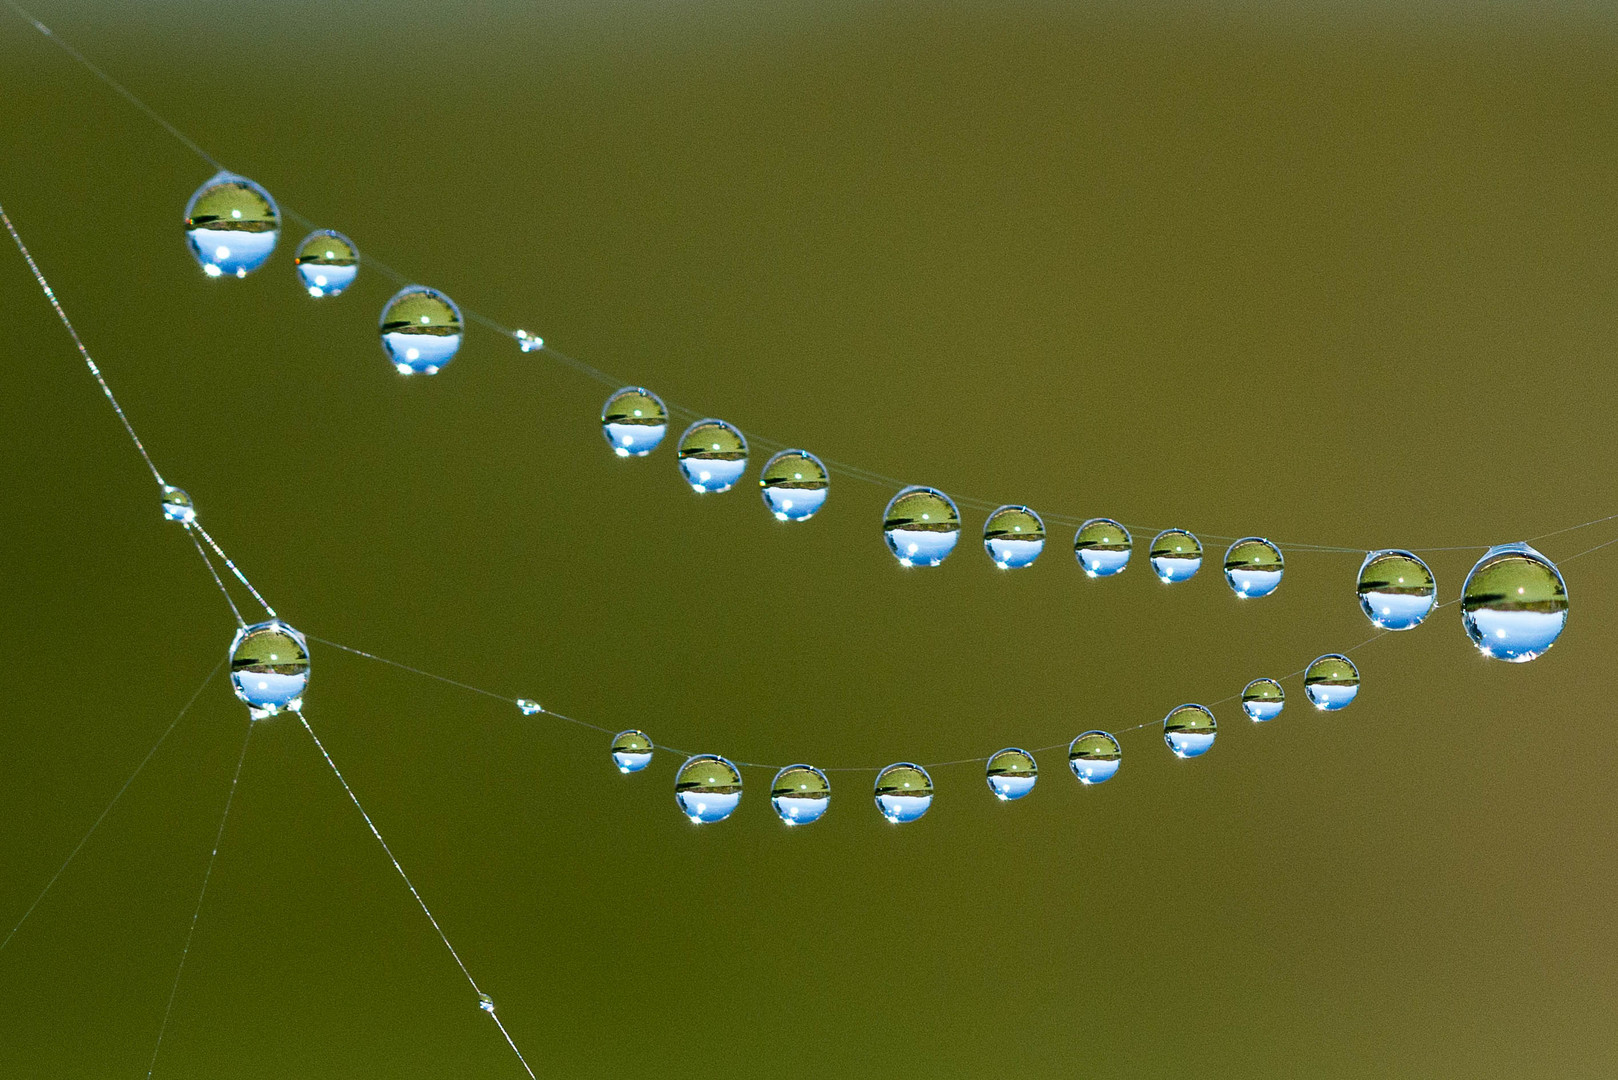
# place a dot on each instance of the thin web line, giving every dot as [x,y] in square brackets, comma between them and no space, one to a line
[207,875]
[241,577]
[202,552]
[192,700]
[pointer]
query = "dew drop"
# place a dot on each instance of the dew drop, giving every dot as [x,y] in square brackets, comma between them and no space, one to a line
[800,794]
[794,485]
[707,788]
[327,262]
[1396,590]
[1331,682]
[529,707]
[1176,555]
[713,456]
[231,225]
[1189,731]
[421,330]
[1094,757]
[1253,567]
[1012,774]
[269,667]
[1514,603]
[1102,547]
[632,751]
[634,421]
[921,526]
[485,1002]
[1263,699]
[177,505]
[904,792]
[1014,536]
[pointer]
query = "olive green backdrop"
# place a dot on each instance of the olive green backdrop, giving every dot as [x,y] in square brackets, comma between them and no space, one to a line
[1333,277]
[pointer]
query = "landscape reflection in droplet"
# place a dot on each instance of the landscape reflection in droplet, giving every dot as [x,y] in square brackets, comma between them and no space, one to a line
[707,788]
[1189,731]
[1263,699]
[1514,603]
[1012,774]
[904,792]
[1396,589]
[269,667]
[177,505]
[1102,547]
[1253,567]
[713,456]
[1331,682]
[1014,536]
[1176,555]
[793,485]
[421,330]
[800,794]
[634,420]
[921,526]
[327,262]
[1094,757]
[231,225]
[631,750]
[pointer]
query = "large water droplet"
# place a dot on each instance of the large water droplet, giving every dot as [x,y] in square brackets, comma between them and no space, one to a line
[269,667]
[1176,555]
[1396,589]
[327,262]
[1013,536]
[1253,567]
[631,750]
[921,526]
[1094,757]
[634,421]
[800,794]
[231,225]
[1102,547]
[1012,774]
[1331,682]
[713,456]
[1189,731]
[177,505]
[421,330]
[794,485]
[904,792]
[1263,699]
[1514,603]
[707,788]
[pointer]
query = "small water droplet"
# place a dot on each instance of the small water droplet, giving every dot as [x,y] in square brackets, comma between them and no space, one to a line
[529,707]
[707,788]
[177,505]
[921,526]
[631,750]
[1396,590]
[486,1003]
[1514,603]
[904,792]
[421,330]
[231,225]
[800,794]
[1189,730]
[713,456]
[794,485]
[1102,547]
[1176,555]
[1094,757]
[1012,773]
[327,262]
[1014,536]
[634,421]
[269,667]
[1331,682]
[1253,567]
[529,342]
[1263,699]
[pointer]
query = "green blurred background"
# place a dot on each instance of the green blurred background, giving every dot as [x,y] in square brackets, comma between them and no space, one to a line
[1329,274]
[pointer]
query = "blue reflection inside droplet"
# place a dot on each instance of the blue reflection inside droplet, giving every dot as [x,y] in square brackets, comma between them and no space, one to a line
[1189,744]
[707,807]
[420,354]
[1252,583]
[799,810]
[631,761]
[712,475]
[901,808]
[326,280]
[794,504]
[920,547]
[269,689]
[1094,772]
[1329,697]
[1513,636]
[634,440]
[1172,568]
[1396,611]
[230,252]
[1099,563]
[1012,553]
[1262,710]
[1008,788]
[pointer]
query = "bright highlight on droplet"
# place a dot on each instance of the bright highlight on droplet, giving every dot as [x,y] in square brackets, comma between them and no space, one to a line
[231,225]
[713,456]
[1396,589]
[177,505]
[1014,536]
[269,667]
[529,707]
[634,421]
[1253,567]
[1094,757]
[421,330]
[327,262]
[1012,773]
[631,750]
[921,526]
[1176,555]
[1263,699]
[1102,547]
[1331,682]
[1189,730]
[1514,603]
[904,792]
[800,794]
[794,485]
[707,788]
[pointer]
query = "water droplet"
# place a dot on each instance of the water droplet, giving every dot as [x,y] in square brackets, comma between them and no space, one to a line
[1012,774]
[1396,589]
[631,750]
[800,794]
[1263,699]
[529,707]
[177,505]
[486,1003]
[269,667]
[421,330]
[1331,682]
[707,788]
[1253,567]
[634,421]
[327,262]
[1514,603]
[1176,555]
[904,792]
[794,485]
[1094,757]
[231,225]
[529,342]
[1102,547]
[921,526]
[1189,731]
[713,456]
[1013,536]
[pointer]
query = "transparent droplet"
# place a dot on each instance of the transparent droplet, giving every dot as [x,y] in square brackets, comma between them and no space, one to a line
[921,526]
[529,707]
[485,1002]
[1013,536]
[529,342]
[1189,731]
[634,421]
[269,667]
[1514,603]
[327,262]
[1012,774]
[421,330]
[231,225]
[1102,547]
[800,794]
[1396,589]
[1331,682]
[1176,555]
[713,456]
[904,792]
[794,485]
[631,751]
[707,788]
[1094,757]
[177,505]
[1253,567]
[1263,699]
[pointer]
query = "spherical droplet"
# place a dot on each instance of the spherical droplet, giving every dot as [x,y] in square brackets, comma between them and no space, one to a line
[421,330]
[713,456]
[1189,731]
[327,262]
[1094,757]
[1253,567]
[1514,603]
[1396,589]
[1013,536]
[632,751]
[921,526]
[794,485]
[1102,547]
[1263,699]
[177,505]
[1012,774]
[800,794]
[269,667]
[634,421]
[1331,682]
[904,792]
[1176,555]
[529,707]
[707,788]
[231,225]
